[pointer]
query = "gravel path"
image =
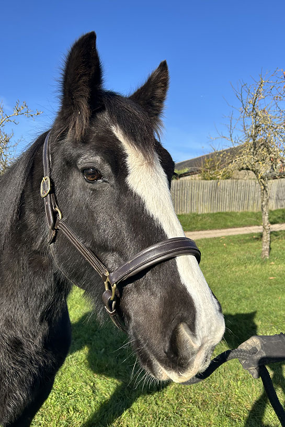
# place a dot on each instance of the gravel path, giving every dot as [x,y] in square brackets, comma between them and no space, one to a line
[230,231]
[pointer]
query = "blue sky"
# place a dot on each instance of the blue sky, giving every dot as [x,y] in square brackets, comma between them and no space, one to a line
[208,44]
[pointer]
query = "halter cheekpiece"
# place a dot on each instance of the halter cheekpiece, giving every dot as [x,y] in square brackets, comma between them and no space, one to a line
[147,258]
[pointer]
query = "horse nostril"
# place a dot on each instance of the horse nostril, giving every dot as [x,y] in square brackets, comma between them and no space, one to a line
[186,340]
[183,346]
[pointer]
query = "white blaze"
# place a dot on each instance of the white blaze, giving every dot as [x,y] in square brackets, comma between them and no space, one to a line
[149,181]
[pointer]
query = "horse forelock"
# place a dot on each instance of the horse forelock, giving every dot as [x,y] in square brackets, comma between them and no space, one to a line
[133,121]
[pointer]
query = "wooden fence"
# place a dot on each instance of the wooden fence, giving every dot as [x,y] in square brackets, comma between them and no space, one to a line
[223,196]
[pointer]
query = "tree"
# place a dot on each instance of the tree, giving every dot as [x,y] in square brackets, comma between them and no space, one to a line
[258,128]
[213,166]
[6,146]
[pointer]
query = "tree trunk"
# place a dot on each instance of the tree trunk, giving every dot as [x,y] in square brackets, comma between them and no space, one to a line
[265,218]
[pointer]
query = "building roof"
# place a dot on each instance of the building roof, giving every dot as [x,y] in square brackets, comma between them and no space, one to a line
[195,165]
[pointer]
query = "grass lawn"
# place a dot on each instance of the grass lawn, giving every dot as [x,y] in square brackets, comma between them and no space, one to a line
[95,388]
[195,222]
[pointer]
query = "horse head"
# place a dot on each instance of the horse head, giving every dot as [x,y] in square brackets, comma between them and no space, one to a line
[112,178]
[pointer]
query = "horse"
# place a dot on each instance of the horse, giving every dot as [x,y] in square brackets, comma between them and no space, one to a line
[88,203]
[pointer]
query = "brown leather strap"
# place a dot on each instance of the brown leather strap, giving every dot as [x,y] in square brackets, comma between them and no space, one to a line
[54,216]
[93,260]
[155,254]
[148,257]
[47,193]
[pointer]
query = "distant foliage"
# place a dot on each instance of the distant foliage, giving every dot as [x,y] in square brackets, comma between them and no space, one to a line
[213,168]
[6,146]
[257,126]
[179,172]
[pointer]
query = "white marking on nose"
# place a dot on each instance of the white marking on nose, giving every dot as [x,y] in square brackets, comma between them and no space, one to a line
[148,180]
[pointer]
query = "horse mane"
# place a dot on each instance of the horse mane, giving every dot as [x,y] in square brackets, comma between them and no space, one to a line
[12,184]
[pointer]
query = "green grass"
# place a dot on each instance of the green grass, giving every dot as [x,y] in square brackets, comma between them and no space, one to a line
[94,387]
[195,222]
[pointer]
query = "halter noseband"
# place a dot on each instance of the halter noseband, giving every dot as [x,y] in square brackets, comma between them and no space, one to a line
[147,258]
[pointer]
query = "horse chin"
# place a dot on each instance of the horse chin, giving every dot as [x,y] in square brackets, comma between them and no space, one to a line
[197,364]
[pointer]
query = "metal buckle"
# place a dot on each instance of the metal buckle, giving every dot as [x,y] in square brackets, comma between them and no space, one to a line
[56,209]
[45,186]
[108,286]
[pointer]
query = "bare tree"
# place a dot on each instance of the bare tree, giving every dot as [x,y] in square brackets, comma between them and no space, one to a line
[6,146]
[257,126]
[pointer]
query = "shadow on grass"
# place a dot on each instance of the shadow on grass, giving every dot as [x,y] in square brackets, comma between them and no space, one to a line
[241,327]
[110,356]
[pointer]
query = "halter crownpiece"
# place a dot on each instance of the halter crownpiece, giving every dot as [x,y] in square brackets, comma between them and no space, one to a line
[147,258]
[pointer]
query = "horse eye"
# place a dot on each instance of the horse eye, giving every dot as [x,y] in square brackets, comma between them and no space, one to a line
[92,175]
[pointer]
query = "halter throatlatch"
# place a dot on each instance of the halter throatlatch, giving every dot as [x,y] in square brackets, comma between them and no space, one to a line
[147,258]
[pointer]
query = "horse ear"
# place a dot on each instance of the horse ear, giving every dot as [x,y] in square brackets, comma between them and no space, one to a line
[152,94]
[82,82]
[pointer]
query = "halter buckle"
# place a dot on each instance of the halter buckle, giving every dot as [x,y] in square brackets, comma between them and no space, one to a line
[109,286]
[45,186]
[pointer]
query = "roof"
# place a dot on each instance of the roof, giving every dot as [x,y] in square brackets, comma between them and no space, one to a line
[197,163]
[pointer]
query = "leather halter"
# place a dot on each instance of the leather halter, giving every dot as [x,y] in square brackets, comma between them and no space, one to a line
[147,258]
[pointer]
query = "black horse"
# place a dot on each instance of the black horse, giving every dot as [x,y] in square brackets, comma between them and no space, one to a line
[110,177]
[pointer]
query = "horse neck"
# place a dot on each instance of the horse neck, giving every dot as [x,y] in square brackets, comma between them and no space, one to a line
[26,253]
